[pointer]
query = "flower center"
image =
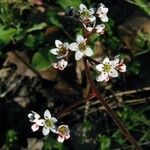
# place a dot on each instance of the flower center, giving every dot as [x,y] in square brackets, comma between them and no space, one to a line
[62,50]
[63,130]
[106,68]
[85,13]
[49,123]
[82,46]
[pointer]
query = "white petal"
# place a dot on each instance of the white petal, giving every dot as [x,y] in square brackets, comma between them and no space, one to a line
[115,61]
[92,18]
[47,114]
[113,73]
[80,39]
[45,131]
[99,67]
[122,68]
[40,122]
[73,46]
[88,27]
[30,115]
[82,7]
[58,43]
[53,130]
[54,51]
[104,10]
[34,127]
[106,60]
[78,55]
[104,19]
[88,51]
[60,139]
[102,77]
[100,28]
[67,137]
[54,119]
[66,45]
[55,65]
[92,11]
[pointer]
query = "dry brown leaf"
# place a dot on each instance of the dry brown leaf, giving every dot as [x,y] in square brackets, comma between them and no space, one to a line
[64,88]
[49,74]
[24,69]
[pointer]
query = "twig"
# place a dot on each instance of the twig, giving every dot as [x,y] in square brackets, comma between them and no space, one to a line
[113,106]
[67,110]
[120,94]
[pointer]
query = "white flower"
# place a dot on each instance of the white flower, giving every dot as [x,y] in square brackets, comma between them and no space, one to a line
[107,69]
[35,119]
[120,66]
[49,123]
[80,48]
[63,133]
[102,12]
[61,49]
[100,28]
[61,64]
[86,14]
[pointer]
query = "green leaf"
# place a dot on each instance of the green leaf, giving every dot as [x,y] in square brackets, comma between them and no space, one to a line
[30,41]
[6,35]
[66,3]
[104,142]
[52,17]
[40,62]
[37,27]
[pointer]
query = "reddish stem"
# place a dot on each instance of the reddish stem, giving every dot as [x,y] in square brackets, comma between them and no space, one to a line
[74,105]
[114,116]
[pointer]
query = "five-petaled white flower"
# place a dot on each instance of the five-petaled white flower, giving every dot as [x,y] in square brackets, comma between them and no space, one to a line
[80,48]
[102,12]
[61,64]
[35,119]
[49,123]
[63,133]
[86,15]
[61,49]
[107,69]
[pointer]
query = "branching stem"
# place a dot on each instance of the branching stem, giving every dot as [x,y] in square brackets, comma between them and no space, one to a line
[110,111]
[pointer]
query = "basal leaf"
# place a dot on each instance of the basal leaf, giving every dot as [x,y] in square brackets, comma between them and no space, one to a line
[40,62]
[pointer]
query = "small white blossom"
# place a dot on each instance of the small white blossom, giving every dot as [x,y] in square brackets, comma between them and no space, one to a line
[49,123]
[35,119]
[63,133]
[61,49]
[61,64]
[102,12]
[107,69]
[86,14]
[80,48]
[100,29]
[120,66]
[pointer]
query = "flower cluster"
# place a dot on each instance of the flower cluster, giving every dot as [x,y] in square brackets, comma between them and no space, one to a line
[62,49]
[109,69]
[88,17]
[48,124]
